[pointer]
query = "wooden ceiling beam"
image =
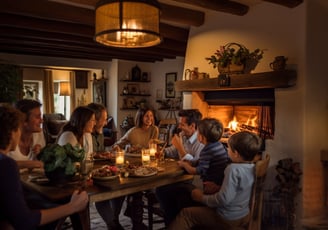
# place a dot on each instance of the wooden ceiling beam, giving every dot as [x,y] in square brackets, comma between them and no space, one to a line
[182,15]
[49,10]
[157,52]
[18,21]
[226,6]
[288,3]
[37,49]
[68,13]
[170,47]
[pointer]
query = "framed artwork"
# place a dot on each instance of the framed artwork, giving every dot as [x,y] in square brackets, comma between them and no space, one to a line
[31,90]
[99,92]
[133,89]
[130,102]
[170,79]
[81,79]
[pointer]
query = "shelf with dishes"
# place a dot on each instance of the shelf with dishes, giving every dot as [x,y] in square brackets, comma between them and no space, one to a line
[131,103]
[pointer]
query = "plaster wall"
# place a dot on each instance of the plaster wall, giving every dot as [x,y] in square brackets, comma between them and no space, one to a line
[301,111]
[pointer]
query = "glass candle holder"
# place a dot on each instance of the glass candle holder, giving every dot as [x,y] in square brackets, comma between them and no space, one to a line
[145,157]
[152,153]
[119,158]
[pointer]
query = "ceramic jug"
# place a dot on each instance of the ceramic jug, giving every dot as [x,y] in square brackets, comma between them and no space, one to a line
[279,63]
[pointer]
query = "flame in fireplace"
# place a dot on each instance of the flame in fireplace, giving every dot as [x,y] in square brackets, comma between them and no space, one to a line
[233,125]
[252,122]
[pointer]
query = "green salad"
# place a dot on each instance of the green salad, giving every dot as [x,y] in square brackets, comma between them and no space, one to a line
[55,156]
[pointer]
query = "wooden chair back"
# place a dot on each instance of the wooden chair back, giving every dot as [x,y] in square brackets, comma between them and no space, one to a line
[256,202]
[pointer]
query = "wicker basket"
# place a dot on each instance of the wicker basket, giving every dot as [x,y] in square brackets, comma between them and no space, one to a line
[245,67]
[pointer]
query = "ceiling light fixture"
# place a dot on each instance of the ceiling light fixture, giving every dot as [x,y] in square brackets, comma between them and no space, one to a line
[128,23]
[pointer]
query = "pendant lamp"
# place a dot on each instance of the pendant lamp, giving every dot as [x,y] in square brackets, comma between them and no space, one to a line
[127,23]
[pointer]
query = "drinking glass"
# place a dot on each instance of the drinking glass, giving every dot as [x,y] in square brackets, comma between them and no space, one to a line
[152,154]
[86,168]
[145,157]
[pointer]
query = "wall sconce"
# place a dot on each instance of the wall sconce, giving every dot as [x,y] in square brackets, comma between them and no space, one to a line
[127,23]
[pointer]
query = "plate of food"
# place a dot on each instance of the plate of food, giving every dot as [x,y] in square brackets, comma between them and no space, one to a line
[143,171]
[106,172]
[103,156]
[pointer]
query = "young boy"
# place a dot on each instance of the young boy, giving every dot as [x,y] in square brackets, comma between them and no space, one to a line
[228,208]
[213,158]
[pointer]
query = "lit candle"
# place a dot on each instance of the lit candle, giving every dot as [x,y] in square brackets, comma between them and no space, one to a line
[152,152]
[152,149]
[119,160]
[145,158]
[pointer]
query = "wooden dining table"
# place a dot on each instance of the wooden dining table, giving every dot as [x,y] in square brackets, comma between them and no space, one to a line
[169,173]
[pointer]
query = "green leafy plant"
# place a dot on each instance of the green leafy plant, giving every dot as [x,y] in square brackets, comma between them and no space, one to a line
[64,158]
[234,53]
[11,83]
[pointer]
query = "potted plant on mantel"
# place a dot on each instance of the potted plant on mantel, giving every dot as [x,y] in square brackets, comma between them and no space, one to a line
[235,58]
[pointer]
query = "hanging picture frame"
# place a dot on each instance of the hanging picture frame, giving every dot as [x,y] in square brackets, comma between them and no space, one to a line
[31,90]
[170,79]
[99,92]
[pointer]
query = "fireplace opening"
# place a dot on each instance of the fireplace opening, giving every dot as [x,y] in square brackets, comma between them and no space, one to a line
[236,118]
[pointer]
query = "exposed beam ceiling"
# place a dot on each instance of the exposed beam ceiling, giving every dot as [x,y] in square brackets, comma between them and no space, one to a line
[65,28]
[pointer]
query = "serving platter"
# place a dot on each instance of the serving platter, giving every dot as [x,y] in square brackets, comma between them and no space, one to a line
[143,171]
[104,178]
[103,156]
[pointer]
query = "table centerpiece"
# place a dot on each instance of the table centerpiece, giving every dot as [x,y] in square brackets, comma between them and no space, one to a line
[61,163]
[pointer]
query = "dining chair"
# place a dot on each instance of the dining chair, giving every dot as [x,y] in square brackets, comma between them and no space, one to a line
[153,209]
[256,201]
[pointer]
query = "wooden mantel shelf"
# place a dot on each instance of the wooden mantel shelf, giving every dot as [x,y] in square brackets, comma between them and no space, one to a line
[265,80]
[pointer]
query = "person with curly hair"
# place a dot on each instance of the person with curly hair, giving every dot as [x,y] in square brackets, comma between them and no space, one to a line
[14,211]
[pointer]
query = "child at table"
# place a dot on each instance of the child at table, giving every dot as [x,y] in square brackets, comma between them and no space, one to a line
[228,208]
[14,212]
[213,158]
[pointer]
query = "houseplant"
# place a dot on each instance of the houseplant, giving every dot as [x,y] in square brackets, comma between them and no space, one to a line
[11,83]
[60,162]
[235,58]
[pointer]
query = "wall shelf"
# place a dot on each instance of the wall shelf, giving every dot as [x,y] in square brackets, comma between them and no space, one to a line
[265,80]
[135,95]
[147,81]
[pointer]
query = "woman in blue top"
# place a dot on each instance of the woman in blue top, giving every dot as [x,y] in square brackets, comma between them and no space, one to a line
[228,208]
[14,211]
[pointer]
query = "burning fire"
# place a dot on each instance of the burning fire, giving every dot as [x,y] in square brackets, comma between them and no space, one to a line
[233,125]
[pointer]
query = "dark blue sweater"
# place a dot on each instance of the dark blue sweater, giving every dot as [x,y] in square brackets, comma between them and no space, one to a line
[13,207]
[213,159]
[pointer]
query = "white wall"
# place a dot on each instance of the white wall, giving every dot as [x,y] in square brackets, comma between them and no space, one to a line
[157,73]
[301,111]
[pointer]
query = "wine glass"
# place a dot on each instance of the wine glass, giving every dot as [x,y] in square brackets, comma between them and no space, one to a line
[152,153]
[86,168]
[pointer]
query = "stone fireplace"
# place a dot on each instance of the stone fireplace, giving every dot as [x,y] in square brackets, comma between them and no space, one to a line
[247,103]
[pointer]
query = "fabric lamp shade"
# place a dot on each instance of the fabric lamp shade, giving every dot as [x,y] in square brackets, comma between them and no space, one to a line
[64,88]
[127,23]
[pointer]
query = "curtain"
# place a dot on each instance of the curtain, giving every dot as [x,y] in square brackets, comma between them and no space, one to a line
[48,92]
[73,95]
